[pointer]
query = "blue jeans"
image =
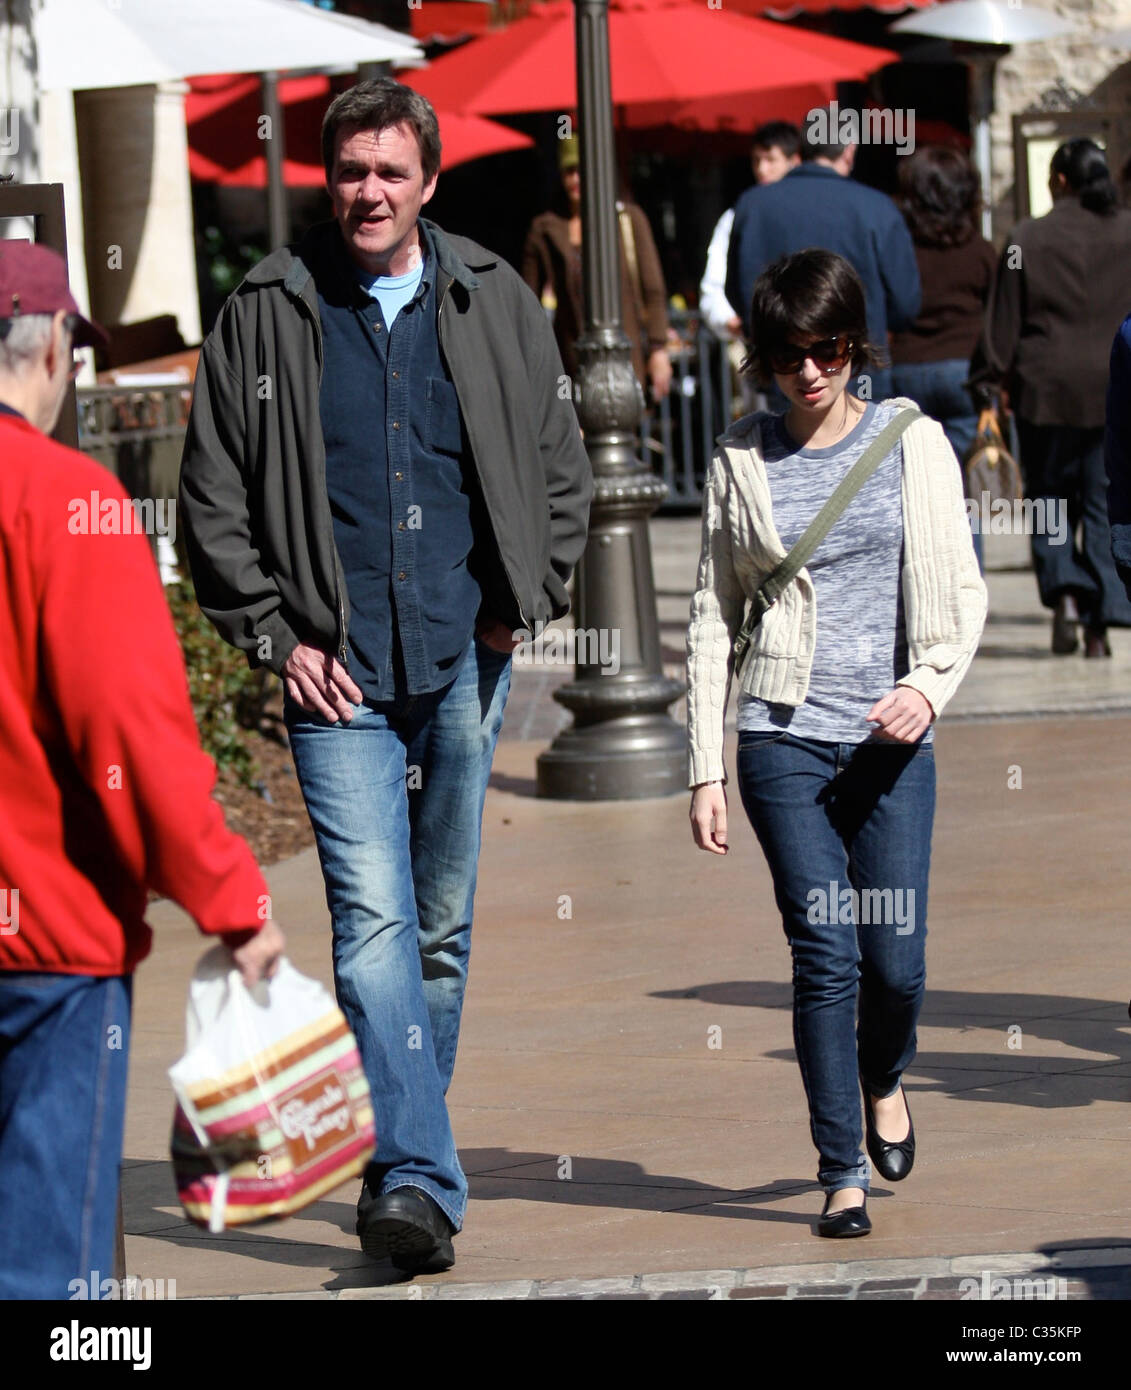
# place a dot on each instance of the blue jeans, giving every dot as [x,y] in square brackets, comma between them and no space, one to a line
[396,801]
[64,1049]
[846,831]
[936,388]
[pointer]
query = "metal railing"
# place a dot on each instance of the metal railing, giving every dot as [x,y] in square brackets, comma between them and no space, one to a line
[137,432]
[680,432]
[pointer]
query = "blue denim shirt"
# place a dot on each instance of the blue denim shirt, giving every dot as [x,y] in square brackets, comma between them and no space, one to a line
[396,474]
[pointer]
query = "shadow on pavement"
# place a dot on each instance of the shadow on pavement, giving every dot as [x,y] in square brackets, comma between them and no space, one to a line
[520,786]
[1096,1025]
[150,1208]
[1104,1281]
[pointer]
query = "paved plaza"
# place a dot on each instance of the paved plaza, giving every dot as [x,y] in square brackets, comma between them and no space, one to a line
[626,1101]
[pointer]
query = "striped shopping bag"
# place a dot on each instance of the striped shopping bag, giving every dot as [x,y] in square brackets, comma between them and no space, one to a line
[273,1107]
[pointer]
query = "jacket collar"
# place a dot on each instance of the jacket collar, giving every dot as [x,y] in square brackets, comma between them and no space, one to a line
[294,265]
[811,169]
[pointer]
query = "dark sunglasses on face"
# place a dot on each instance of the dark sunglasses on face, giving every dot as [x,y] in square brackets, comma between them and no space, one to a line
[830,355]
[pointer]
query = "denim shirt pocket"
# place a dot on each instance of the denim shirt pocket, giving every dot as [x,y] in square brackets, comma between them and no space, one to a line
[445,424]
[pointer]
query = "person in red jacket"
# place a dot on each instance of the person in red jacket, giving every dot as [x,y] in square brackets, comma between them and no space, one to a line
[104,794]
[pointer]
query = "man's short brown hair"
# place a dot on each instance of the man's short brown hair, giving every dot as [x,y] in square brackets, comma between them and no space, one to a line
[378,104]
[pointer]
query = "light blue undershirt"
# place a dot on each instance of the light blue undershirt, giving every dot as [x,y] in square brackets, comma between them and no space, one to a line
[392,292]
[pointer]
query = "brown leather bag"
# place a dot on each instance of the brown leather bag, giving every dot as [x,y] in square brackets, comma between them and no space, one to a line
[988,466]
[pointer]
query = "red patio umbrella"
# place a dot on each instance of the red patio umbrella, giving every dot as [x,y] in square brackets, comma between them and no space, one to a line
[663,51]
[223,116]
[784,9]
[448,19]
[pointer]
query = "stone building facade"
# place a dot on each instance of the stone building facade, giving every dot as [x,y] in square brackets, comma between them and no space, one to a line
[1083,75]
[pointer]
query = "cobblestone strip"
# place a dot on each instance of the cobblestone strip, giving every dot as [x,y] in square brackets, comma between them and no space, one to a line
[1103,1273]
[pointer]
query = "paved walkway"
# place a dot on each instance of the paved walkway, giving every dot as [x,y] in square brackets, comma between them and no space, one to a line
[627,1103]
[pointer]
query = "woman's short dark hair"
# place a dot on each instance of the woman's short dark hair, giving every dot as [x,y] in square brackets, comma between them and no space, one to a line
[940,196]
[1085,171]
[813,293]
[378,104]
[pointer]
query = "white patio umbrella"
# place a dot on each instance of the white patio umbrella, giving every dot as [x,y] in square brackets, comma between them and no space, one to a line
[984,21]
[83,44]
[983,32]
[86,45]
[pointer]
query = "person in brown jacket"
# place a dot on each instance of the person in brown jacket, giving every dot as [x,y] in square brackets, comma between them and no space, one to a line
[552,257]
[1060,293]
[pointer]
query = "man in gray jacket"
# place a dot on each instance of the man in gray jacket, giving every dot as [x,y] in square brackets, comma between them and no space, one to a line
[383,485]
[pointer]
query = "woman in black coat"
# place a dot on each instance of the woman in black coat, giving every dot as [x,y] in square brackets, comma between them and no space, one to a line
[1063,286]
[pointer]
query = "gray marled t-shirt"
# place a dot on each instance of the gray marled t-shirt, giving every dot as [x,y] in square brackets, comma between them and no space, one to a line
[861,646]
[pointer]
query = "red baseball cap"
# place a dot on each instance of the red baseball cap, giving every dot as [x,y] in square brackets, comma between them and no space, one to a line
[33,280]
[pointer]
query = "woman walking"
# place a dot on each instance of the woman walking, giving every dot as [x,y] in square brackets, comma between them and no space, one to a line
[1059,296]
[551,258]
[940,196]
[839,686]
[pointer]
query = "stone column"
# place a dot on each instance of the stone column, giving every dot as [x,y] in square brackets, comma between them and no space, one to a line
[137,202]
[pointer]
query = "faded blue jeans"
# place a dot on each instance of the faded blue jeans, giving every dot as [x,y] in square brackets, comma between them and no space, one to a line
[846,831]
[396,801]
[64,1049]
[937,388]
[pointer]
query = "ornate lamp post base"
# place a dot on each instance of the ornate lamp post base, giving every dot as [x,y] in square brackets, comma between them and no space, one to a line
[641,755]
[622,745]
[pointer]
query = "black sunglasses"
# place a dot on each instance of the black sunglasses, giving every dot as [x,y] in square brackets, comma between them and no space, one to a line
[830,355]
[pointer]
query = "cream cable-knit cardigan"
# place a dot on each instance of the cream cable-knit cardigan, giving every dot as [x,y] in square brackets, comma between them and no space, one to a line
[943,593]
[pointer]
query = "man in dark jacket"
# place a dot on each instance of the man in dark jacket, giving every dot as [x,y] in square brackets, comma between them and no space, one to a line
[819,204]
[1058,296]
[383,485]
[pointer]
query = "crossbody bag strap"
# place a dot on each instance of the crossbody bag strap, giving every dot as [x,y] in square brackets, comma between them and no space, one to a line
[775,583]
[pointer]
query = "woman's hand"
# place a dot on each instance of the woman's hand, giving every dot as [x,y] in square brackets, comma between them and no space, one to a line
[660,372]
[901,716]
[709,817]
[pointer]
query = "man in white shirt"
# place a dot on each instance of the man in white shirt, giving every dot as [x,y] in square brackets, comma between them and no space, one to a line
[776,150]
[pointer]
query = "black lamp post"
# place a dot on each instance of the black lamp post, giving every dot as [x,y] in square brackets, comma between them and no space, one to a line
[622,743]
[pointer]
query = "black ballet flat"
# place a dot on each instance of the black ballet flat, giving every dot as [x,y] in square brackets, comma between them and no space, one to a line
[840,1225]
[892,1161]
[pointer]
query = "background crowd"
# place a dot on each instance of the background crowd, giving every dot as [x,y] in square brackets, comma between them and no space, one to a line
[1027,331]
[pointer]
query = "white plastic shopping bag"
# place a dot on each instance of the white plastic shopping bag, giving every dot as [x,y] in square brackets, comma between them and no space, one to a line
[273,1106]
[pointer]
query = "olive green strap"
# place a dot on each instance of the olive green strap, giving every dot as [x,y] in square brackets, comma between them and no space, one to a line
[775,583]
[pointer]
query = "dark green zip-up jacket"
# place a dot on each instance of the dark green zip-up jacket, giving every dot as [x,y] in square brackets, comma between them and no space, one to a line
[254,509]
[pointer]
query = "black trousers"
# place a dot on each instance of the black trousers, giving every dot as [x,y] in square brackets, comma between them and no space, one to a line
[1064,465]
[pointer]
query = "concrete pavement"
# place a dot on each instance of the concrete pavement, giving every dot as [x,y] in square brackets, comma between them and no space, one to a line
[627,1103]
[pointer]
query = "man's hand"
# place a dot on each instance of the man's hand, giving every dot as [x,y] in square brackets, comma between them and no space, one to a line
[734,326]
[901,716]
[660,373]
[709,817]
[496,635]
[320,684]
[258,957]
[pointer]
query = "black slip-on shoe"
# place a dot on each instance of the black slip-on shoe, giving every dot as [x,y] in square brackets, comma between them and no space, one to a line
[1065,619]
[407,1227]
[840,1225]
[893,1161]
